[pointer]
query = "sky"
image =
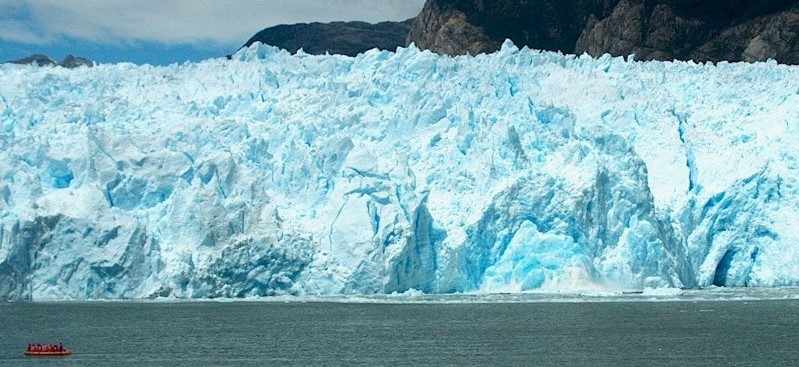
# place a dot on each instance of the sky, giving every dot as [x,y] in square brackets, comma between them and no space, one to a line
[166,31]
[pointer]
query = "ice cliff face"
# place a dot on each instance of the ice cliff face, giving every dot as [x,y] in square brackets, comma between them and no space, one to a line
[295,174]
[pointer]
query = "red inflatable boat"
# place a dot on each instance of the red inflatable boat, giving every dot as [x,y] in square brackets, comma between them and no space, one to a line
[64,352]
[46,350]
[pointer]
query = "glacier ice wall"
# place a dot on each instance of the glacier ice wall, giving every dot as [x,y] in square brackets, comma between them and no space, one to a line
[279,174]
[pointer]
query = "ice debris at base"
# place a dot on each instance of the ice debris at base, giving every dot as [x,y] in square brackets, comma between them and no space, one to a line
[276,174]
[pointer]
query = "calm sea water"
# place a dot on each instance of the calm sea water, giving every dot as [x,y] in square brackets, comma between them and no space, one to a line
[704,333]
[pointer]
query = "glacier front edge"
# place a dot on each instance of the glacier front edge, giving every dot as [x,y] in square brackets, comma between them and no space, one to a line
[279,174]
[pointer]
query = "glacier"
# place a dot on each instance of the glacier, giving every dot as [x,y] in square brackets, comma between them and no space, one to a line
[277,174]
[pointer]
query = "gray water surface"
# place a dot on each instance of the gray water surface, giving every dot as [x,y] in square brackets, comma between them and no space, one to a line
[706,333]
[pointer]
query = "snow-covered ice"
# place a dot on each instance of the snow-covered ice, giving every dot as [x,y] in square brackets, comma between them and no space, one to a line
[279,174]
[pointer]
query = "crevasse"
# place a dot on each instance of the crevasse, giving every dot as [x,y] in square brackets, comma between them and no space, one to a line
[274,174]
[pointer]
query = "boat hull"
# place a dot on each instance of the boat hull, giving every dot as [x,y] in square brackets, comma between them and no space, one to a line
[48,354]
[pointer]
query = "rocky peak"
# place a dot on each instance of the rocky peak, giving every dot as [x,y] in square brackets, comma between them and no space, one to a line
[71,62]
[36,59]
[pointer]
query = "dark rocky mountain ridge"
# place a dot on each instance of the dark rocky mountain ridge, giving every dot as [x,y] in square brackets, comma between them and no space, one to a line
[699,30]
[69,62]
[734,30]
[344,38]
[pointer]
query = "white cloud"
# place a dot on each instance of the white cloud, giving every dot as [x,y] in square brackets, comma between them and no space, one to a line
[13,30]
[222,22]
